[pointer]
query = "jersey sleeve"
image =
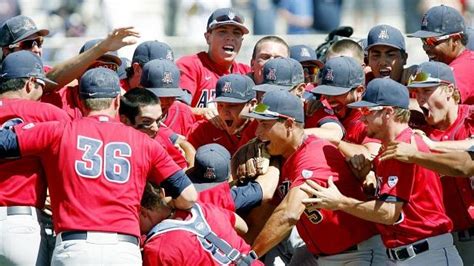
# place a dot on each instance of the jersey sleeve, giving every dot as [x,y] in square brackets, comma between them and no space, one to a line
[35,138]
[162,165]
[397,181]
[188,78]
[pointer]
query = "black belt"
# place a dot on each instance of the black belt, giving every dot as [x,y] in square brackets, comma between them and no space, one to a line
[407,252]
[466,235]
[353,248]
[19,210]
[82,235]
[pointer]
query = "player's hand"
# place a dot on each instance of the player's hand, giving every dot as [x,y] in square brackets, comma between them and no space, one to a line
[360,166]
[211,115]
[401,151]
[430,143]
[250,160]
[329,198]
[119,38]
[312,106]
[369,184]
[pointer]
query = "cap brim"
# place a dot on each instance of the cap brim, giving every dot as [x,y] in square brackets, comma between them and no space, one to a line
[361,104]
[270,87]
[47,80]
[42,32]
[111,58]
[330,90]
[167,92]
[258,116]
[423,85]
[384,44]
[218,24]
[424,34]
[224,99]
[320,64]
[204,186]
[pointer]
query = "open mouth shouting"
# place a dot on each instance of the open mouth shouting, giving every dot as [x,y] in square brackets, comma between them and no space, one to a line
[385,73]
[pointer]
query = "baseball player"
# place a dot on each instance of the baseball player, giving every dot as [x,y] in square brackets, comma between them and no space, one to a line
[108,163]
[140,108]
[408,209]
[20,33]
[234,95]
[204,235]
[266,48]
[280,126]
[341,83]
[200,72]
[444,37]
[162,77]
[23,182]
[346,47]
[438,97]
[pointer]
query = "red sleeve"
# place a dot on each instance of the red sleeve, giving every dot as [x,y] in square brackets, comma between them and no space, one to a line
[397,180]
[35,138]
[218,195]
[162,165]
[188,79]
[197,135]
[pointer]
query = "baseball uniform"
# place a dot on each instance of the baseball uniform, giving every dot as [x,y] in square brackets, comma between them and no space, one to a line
[180,247]
[199,76]
[322,115]
[179,118]
[66,98]
[164,137]
[96,169]
[317,159]
[462,69]
[423,223]
[23,184]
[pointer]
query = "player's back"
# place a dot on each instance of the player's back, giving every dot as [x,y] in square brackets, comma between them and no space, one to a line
[97,168]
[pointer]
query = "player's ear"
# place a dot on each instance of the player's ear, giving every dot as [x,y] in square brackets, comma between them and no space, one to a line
[207,34]
[405,57]
[30,85]
[299,90]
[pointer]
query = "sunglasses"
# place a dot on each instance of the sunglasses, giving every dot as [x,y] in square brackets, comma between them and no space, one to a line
[262,109]
[28,44]
[111,66]
[314,70]
[227,17]
[433,41]
[149,125]
[424,77]
[368,110]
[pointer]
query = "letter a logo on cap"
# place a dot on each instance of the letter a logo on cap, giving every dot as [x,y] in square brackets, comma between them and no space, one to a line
[271,75]
[329,75]
[210,173]
[227,87]
[424,21]
[304,52]
[167,78]
[383,34]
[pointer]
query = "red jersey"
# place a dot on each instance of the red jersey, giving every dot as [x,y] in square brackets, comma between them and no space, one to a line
[180,247]
[164,138]
[180,118]
[423,213]
[355,129]
[67,98]
[204,132]
[317,159]
[96,169]
[458,192]
[22,181]
[324,114]
[462,69]
[218,195]
[199,76]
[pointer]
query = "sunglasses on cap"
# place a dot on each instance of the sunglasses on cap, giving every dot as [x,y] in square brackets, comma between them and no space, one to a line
[365,111]
[262,109]
[424,77]
[311,70]
[433,41]
[28,44]
[109,65]
[227,17]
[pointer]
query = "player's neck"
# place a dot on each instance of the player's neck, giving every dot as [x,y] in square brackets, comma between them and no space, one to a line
[13,95]
[393,131]
[296,140]
[450,118]
[106,112]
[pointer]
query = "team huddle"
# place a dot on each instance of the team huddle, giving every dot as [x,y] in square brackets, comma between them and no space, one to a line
[353,158]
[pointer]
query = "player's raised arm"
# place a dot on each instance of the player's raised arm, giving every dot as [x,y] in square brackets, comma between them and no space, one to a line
[181,189]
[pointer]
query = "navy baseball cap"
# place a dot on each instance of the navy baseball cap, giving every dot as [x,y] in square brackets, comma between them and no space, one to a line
[23,64]
[234,88]
[470,39]
[305,54]
[226,16]
[430,74]
[161,77]
[150,50]
[383,92]
[211,166]
[278,104]
[99,83]
[439,21]
[17,29]
[110,56]
[122,69]
[339,75]
[385,35]
[281,73]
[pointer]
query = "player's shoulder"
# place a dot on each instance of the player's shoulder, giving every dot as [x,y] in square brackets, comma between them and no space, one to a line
[189,60]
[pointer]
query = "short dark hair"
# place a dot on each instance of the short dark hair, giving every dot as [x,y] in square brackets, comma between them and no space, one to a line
[464,38]
[151,196]
[14,84]
[131,102]
[347,44]
[270,38]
